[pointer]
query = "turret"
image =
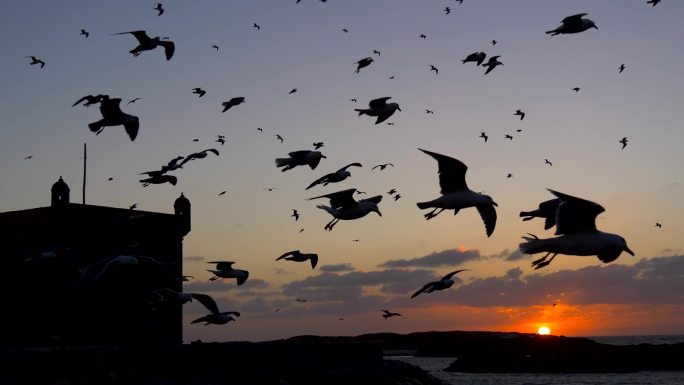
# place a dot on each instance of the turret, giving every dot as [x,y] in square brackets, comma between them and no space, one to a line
[181,208]
[60,193]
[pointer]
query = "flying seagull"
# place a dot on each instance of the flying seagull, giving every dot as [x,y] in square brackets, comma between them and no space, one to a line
[483,136]
[382,166]
[392,191]
[220,139]
[257,26]
[444,283]
[621,68]
[133,100]
[35,60]
[89,100]
[624,142]
[423,36]
[546,210]
[343,206]
[199,155]
[447,10]
[28,157]
[433,68]
[334,177]
[215,47]
[509,137]
[387,314]
[146,43]
[658,225]
[365,62]
[520,113]
[292,91]
[232,103]
[455,193]
[199,91]
[297,256]
[494,42]
[280,138]
[300,158]
[573,24]
[295,214]
[576,89]
[159,8]
[376,52]
[429,112]
[224,269]
[380,108]
[478,57]
[317,145]
[546,161]
[113,116]
[492,63]
[578,235]
[85,33]
[159,179]
[653,2]
[215,316]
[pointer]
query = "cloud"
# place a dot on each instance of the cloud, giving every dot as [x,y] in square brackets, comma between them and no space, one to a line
[451,257]
[194,258]
[223,284]
[342,267]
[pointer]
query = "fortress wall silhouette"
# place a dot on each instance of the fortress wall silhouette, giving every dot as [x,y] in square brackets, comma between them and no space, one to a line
[44,250]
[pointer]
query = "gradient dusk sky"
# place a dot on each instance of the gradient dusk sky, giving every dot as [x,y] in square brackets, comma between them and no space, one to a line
[303,46]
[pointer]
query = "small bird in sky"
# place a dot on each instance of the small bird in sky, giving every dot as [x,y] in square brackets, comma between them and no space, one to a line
[429,112]
[300,300]
[392,191]
[215,47]
[334,177]
[492,63]
[360,192]
[85,33]
[352,100]
[494,42]
[302,229]
[295,214]
[345,30]
[621,68]
[293,91]
[199,155]
[257,26]
[391,77]
[509,175]
[390,124]
[300,158]
[444,283]
[317,145]
[260,129]
[658,225]
[423,36]
[376,52]
[146,43]
[343,206]
[433,68]
[28,157]
[232,102]
[484,136]
[89,100]
[221,139]
[477,57]
[269,188]
[397,197]
[509,137]
[133,100]
[196,140]
[546,161]
[133,206]
[455,194]
[380,108]
[382,166]
[388,314]
[298,256]
[447,10]
[365,62]
[520,113]
[224,269]
[199,91]
[576,89]
[280,138]
[624,142]
[653,2]
[159,8]
[113,116]
[35,60]
[222,193]
[573,24]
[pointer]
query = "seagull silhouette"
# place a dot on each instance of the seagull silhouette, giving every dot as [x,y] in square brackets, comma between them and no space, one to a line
[146,43]
[391,191]
[376,52]
[89,100]
[429,112]
[295,214]
[257,26]
[334,177]
[85,33]
[365,62]
[484,136]
[133,100]
[621,68]
[199,91]
[447,10]
[380,108]
[159,9]
[317,145]
[520,113]
[492,63]
[352,100]
[382,166]
[573,24]
[113,116]
[300,158]
[387,314]
[433,68]
[494,42]
[35,60]
[298,256]
[345,30]
[546,161]
[624,142]
[215,47]
[28,157]
[224,269]
[653,2]
[293,91]
[444,283]
[232,102]
[423,36]
[509,137]
[477,57]
[343,206]
[658,225]
[280,138]
[220,139]
[576,89]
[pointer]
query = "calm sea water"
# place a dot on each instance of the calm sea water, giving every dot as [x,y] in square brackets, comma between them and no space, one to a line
[435,367]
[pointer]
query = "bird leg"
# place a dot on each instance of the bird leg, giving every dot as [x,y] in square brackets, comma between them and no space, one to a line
[545,263]
[540,260]
[331,224]
[433,214]
[214,278]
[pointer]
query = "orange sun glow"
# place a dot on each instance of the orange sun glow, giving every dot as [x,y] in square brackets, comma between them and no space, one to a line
[543,330]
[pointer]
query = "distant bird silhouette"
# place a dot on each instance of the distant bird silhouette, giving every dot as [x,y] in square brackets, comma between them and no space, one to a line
[360,192]
[221,318]
[624,142]
[300,158]
[269,188]
[300,300]
[292,91]
[658,225]
[146,43]
[85,33]
[159,179]
[390,124]
[110,179]
[447,10]
[224,269]
[365,62]
[429,112]
[494,42]
[352,100]
[455,193]
[199,155]
[576,89]
[232,102]
[578,235]
[222,193]
[220,139]
[621,68]
[653,2]
[509,137]
[199,91]
[297,256]
[113,116]
[483,136]
[89,100]
[35,60]
[433,68]
[397,197]
[423,36]
[387,314]
[159,9]
[345,30]
[382,166]
[215,47]
[520,113]
[133,206]
[280,138]
[509,175]
[380,108]
[391,192]
[317,145]
[295,214]
[260,129]
[376,52]
[257,26]
[492,63]
[133,100]
[546,210]
[302,229]
[28,157]
[334,177]
[477,57]
[546,161]
[444,283]
[343,206]
[391,77]
[573,24]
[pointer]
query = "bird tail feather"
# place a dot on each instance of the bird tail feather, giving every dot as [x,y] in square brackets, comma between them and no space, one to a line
[283,162]
[361,112]
[423,205]
[533,245]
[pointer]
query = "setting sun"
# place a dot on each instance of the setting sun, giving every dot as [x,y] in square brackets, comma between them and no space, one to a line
[543,330]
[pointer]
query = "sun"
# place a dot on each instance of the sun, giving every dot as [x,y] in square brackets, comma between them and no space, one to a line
[543,330]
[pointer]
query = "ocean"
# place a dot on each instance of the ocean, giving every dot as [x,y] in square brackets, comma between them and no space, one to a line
[435,366]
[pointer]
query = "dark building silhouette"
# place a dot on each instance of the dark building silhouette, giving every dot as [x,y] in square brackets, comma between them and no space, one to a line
[52,296]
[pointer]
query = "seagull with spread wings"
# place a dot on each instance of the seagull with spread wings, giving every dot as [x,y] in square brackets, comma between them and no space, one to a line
[380,108]
[334,177]
[477,57]
[298,256]
[573,24]
[199,155]
[444,283]
[300,158]
[387,314]
[224,269]
[113,116]
[146,43]
[343,206]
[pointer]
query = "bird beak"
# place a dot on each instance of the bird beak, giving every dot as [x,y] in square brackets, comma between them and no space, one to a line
[596,27]
[630,252]
[398,108]
[323,156]
[494,203]
[379,213]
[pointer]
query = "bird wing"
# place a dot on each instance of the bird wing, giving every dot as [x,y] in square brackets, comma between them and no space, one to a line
[319,180]
[287,254]
[451,172]
[376,199]
[344,198]
[169,48]
[574,19]
[356,164]
[387,312]
[299,156]
[314,260]
[223,265]
[384,116]
[448,276]
[131,125]
[422,289]
[188,158]
[207,301]
[140,35]
[212,150]
[242,279]
[548,209]
[488,214]
[575,215]
[81,99]
[379,102]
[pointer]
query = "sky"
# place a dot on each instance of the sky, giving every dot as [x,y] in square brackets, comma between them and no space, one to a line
[303,46]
